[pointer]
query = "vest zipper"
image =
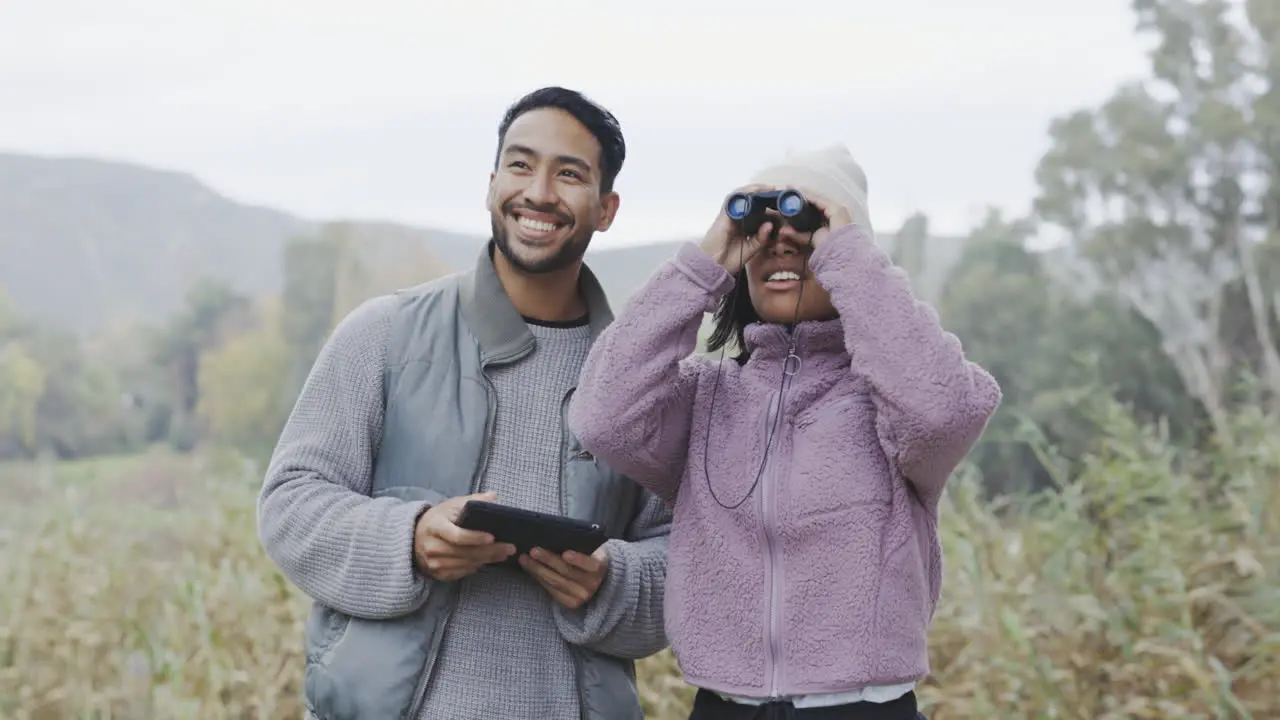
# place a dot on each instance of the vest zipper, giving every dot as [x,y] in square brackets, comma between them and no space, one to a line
[420,692]
[574,652]
[564,450]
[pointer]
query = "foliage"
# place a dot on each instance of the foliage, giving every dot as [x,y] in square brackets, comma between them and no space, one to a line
[1169,192]
[1050,347]
[1112,548]
[55,398]
[327,275]
[22,384]
[240,389]
[1145,590]
[212,312]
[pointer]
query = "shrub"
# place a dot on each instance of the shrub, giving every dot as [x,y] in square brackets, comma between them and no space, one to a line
[1146,588]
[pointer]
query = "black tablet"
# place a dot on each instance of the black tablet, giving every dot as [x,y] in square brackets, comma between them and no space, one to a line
[526,529]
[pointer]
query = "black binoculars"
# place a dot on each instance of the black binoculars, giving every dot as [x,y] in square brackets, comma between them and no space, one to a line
[749,209]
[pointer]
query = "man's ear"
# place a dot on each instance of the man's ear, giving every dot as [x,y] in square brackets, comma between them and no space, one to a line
[488,196]
[609,203]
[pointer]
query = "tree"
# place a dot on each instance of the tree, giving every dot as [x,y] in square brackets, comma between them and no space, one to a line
[242,387]
[910,245]
[22,384]
[344,264]
[997,301]
[1168,191]
[1055,351]
[55,396]
[81,411]
[212,310]
[310,272]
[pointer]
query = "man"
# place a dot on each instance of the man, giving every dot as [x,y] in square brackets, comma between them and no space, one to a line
[452,391]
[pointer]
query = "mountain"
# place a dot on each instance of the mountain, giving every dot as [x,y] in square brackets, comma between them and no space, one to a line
[623,270]
[88,244]
[84,242]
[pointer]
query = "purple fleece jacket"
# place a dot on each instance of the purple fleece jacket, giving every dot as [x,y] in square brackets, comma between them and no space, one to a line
[826,578]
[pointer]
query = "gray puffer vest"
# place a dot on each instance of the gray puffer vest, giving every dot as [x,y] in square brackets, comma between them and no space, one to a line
[438,418]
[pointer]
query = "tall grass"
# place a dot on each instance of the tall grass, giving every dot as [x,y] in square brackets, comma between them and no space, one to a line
[1146,589]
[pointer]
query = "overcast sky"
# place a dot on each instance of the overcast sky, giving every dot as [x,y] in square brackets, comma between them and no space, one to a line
[388,109]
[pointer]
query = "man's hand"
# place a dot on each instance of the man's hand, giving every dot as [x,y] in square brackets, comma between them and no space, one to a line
[444,551]
[572,578]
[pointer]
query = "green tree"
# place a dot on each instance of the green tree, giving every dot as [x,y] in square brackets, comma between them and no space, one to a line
[996,300]
[22,384]
[211,311]
[81,411]
[241,389]
[1053,348]
[344,264]
[1168,191]
[59,396]
[310,272]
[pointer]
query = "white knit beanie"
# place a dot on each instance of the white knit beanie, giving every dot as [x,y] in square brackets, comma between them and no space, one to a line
[829,171]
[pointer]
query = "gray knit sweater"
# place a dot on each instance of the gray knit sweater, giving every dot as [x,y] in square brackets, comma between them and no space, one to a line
[505,652]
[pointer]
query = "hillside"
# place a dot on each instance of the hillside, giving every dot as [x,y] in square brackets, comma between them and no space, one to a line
[88,243]
[85,242]
[623,270]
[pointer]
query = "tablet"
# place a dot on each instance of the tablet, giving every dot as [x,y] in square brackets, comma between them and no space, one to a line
[526,529]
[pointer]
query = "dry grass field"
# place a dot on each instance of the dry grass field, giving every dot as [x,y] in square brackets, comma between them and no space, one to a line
[135,588]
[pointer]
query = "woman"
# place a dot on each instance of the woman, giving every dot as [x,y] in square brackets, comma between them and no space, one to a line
[804,562]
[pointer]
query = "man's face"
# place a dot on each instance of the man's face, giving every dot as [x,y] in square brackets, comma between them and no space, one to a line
[544,197]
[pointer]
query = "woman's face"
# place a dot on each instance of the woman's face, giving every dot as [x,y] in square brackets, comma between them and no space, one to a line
[781,286]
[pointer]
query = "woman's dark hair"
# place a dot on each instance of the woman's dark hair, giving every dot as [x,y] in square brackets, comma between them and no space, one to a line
[599,122]
[731,318]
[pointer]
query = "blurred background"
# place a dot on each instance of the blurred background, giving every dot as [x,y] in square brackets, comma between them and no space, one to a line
[192,194]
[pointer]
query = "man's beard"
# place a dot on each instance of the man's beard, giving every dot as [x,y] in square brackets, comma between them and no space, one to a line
[574,247]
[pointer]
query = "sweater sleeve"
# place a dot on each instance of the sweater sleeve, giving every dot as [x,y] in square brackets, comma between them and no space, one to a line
[316,519]
[932,403]
[625,618]
[634,404]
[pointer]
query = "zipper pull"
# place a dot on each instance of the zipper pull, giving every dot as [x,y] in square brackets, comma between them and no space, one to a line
[791,363]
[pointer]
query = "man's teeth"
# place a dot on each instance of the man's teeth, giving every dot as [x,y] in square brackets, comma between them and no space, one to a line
[783,275]
[537,225]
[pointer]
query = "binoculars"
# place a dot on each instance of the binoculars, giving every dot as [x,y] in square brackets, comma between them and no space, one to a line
[749,209]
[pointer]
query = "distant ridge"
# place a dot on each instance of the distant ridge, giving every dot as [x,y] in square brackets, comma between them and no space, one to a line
[88,243]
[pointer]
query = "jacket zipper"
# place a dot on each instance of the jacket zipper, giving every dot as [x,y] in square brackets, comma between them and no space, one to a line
[770,557]
[420,692]
[768,516]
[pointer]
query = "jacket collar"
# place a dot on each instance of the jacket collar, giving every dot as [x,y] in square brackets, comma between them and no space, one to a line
[772,341]
[498,327]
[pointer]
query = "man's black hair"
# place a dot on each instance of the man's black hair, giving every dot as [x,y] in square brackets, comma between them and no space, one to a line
[599,122]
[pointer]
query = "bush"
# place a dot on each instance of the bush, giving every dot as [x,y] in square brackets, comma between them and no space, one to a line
[1145,589]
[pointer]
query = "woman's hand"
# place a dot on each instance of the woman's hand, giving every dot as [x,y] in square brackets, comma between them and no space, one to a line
[727,244]
[837,215]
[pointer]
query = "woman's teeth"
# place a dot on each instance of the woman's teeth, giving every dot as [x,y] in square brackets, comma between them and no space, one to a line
[783,275]
[536,225]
